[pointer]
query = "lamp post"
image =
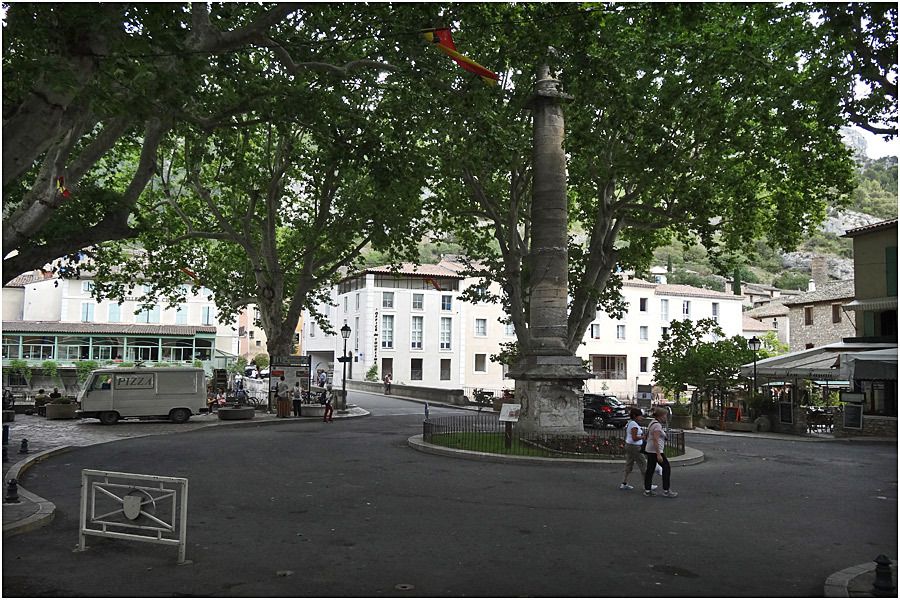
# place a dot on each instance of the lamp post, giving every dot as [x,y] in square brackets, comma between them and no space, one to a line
[345,333]
[754,345]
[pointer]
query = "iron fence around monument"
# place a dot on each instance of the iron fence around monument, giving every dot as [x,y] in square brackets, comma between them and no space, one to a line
[483,432]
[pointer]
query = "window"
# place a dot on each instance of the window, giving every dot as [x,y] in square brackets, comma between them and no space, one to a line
[250,333]
[775,324]
[357,300]
[686,308]
[715,311]
[510,329]
[181,314]
[644,363]
[205,292]
[312,329]
[620,332]
[387,331]
[415,333]
[664,330]
[144,315]
[445,369]
[87,312]
[418,301]
[643,304]
[446,302]
[644,333]
[481,327]
[835,313]
[206,315]
[808,346]
[890,264]
[87,287]
[259,342]
[356,334]
[446,328]
[415,369]
[807,315]
[595,331]
[664,310]
[609,367]
[115,313]
[481,363]
[387,299]
[346,301]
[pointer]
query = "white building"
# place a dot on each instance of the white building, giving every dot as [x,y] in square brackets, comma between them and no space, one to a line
[57,319]
[410,323]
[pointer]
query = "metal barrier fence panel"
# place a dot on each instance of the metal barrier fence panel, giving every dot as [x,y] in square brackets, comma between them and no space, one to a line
[131,506]
[483,432]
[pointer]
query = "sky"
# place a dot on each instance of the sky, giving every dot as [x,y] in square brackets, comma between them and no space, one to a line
[876,147]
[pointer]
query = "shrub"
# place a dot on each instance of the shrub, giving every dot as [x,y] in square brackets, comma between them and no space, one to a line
[83,368]
[372,373]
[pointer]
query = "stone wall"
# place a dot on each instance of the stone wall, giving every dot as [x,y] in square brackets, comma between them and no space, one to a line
[411,391]
[873,426]
[822,331]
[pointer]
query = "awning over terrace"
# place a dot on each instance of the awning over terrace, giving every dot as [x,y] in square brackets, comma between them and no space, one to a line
[827,363]
[875,365]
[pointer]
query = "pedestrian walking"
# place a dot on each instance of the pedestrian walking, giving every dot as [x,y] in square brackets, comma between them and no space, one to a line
[329,409]
[633,441]
[655,449]
[282,398]
[387,383]
[297,397]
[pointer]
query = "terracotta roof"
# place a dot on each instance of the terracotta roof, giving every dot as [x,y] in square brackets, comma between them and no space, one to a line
[870,228]
[769,309]
[677,289]
[834,290]
[111,328]
[30,277]
[420,270]
[751,324]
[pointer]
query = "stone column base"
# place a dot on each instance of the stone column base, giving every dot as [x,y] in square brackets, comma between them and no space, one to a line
[553,407]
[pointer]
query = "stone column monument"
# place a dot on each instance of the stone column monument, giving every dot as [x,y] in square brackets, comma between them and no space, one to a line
[549,378]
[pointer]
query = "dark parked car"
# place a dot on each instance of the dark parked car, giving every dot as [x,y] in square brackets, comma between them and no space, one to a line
[602,411]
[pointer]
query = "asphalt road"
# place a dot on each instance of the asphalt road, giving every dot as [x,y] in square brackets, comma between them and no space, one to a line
[348,509]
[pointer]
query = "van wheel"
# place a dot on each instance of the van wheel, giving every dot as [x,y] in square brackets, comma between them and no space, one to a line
[180,415]
[109,417]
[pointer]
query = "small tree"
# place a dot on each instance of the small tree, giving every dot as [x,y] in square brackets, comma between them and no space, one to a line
[83,368]
[17,365]
[261,361]
[372,373]
[238,366]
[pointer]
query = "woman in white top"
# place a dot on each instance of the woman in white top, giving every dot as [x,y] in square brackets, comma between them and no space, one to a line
[633,454]
[656,443]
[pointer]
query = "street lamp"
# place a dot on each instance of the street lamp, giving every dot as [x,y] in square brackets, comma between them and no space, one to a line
[754,345]
[345,333]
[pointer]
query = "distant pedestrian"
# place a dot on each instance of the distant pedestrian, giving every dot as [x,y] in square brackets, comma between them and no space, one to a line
[282,396]
[55,395]
[329,409]
[322,379]
[297,397]
[40,402]
[656,444]
[387,383]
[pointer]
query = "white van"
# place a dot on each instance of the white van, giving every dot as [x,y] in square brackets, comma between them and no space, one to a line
[155,392]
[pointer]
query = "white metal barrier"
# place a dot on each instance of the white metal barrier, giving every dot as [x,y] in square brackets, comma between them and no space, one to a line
[130,506]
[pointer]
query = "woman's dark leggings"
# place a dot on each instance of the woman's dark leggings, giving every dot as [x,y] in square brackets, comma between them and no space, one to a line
[651,469]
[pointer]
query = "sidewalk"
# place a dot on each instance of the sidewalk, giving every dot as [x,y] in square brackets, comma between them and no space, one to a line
[790,437]
[48,438]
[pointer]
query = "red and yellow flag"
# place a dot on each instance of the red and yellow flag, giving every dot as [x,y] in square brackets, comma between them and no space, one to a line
[444,41]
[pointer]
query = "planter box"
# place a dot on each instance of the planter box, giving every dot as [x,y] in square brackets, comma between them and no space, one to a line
[312,410]
[235,414]
[60,411]
[681,422]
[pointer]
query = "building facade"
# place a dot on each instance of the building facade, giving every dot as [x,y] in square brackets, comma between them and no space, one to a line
[818,317]
[411,323]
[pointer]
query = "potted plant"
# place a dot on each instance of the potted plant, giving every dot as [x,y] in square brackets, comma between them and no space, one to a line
[681,416]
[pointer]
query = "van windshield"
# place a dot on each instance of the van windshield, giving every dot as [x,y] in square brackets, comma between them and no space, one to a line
[101,382]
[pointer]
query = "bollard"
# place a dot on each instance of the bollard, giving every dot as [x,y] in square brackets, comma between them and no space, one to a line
[884,579]
[5,434]
[5,457]
[12,492]
[23,447]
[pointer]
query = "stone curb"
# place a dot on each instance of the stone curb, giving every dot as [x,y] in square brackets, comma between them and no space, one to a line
[691,456]
[837,584]
[46,509]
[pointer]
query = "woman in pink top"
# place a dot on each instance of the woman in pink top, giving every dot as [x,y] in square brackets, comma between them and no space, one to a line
[656,444]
